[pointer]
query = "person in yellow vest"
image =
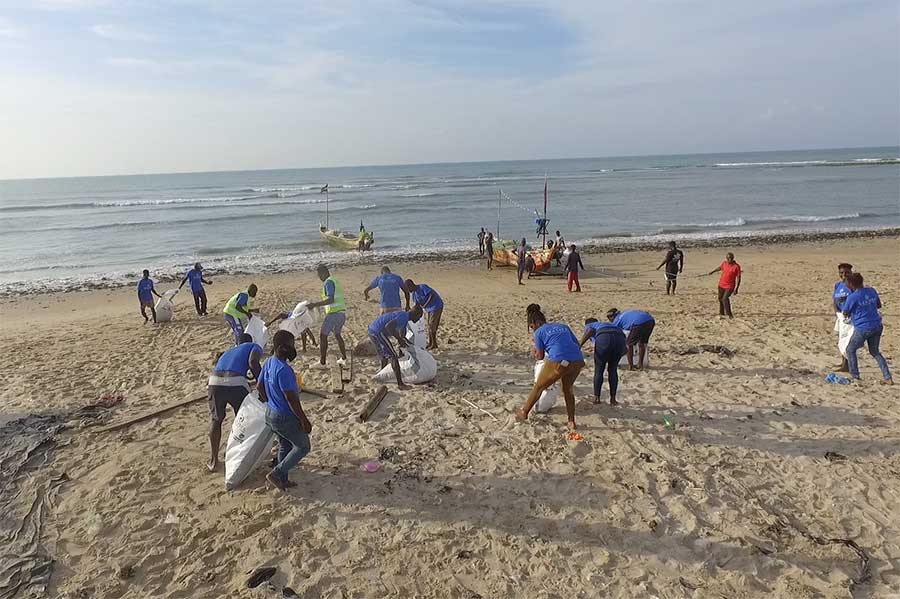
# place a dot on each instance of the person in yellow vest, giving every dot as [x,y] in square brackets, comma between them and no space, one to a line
[238,309]
[335,313]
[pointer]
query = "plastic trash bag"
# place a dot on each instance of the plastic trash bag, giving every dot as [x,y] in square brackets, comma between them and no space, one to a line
[844,328]
[417,333]
[248,442]
[165,307]
[256,328]
[417,366]
[623,362]
[549,397]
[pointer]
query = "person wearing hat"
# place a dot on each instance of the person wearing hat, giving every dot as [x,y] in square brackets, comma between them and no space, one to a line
[195,276]
[639,325]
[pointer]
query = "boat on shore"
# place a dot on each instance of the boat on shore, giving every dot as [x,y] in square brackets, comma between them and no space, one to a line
[346,240]
[505,255]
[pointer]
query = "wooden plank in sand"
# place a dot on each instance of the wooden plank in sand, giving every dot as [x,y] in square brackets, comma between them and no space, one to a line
[150,415]
[373,404]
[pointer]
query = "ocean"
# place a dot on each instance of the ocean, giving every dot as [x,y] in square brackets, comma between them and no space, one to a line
[70,233]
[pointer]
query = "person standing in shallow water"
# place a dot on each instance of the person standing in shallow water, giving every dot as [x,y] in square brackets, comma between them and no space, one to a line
[861,307]
[674,263]
[729,283]
[481,235]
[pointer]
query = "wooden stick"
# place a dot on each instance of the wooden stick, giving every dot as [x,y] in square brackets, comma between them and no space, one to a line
[480,409]
[373,404]
[150,415]
[314,393]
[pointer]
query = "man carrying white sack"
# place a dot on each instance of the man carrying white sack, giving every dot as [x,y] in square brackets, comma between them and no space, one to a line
[228,385]
[843,328]
[335,313]
[392,325]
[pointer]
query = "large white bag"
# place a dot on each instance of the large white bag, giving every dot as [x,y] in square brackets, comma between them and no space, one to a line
[417,333]
[248,442]
[417,366]
[624,360]
[548,398]
[164,306]
[844,329]
[256,328]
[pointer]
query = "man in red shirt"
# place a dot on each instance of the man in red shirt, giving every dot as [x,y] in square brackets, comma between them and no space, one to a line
[729,283]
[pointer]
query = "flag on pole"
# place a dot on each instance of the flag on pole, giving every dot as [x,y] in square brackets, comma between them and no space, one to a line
[324,188]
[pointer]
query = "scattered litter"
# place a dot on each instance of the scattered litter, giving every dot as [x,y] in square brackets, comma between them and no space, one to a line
[171,519]
[833,456]
[646,457]
[259,576]
[465,554]
[669,423]
[833,378]
[108,400]
[371,466]
[575,436]
[710,349]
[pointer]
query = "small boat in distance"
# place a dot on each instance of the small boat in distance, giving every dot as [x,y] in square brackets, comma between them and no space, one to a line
[344,240]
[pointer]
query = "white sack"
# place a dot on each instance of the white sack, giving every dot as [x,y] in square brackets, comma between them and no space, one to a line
[844,329]
[256,328]
[417,366]
[417,333]
[248,442]
[548,398]
[624,361]
[164,306]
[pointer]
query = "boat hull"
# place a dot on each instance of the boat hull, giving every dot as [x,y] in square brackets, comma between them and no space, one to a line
[339,240]
[505,255]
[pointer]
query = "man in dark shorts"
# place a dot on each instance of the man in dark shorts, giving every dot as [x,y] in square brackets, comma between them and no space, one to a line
[674,263]
[729,283]
[195,276]
[228,385]
[481,235]
[392,326]
[639,325]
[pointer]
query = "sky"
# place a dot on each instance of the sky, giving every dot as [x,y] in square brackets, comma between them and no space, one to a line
[96,87]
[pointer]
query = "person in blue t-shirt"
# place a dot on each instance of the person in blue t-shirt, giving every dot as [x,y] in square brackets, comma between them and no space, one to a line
[392,326]
[145,293]
[609,347]
[556,345]
[390,286]
[195,276]
[429,300]
[639,325]
[278,388]
[840,293]
[861,307]
[228,386]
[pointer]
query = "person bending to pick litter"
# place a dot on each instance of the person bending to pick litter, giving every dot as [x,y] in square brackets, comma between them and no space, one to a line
[840,293]
[573,265]
[389,285]
[278,388]
[639,325]
[609,347]
[729,283]
[195,276]
[228,385]
[429,300]
[238,311]
[386,326]
[674,263]
[146,291]
[335,313]
[555,343]
[861,307]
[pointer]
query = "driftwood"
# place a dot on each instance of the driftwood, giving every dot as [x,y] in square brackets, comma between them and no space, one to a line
[480,409]
[150,415]
[373,403]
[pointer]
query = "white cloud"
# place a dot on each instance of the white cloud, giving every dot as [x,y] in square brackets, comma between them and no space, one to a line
[121,33]
[11,31]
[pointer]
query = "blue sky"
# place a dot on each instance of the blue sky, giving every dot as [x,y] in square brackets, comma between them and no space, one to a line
[103,87]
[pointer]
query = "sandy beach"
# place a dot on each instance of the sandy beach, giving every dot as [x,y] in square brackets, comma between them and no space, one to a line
[738,500]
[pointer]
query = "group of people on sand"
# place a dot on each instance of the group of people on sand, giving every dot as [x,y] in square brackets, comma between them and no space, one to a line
[622,334]
[276,379]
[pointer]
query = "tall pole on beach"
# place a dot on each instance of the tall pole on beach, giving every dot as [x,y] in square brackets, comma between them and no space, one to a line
[499,200]
[544,241]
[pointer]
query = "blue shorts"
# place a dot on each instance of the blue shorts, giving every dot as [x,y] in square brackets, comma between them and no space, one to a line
[237,327]
[334,323]
[384,346]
